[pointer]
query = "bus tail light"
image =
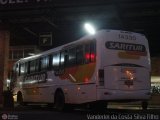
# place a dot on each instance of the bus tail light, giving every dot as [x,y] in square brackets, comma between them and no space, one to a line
[90,57]
[87,56]
[101,77]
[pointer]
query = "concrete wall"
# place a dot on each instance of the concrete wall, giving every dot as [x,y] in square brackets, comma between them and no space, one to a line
[4,51]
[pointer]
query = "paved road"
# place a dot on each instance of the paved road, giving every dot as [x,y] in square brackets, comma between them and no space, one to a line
[117,112]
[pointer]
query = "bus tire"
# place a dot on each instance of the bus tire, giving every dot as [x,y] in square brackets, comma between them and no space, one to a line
[59,101]
[20,99]
[144,105]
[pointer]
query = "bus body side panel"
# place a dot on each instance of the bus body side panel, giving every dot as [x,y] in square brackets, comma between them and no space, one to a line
[75,93]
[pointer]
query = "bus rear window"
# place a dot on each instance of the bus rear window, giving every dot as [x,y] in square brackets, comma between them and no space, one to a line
[22,69]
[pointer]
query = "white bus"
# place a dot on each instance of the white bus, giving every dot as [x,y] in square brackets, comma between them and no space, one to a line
[111,65]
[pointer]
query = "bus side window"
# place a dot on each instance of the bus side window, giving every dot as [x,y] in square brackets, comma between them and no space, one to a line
[37,65]
[87,53]
[14,70]
[90,53]
[44,63]
[62,60]
[17,69]
[22,69]
[79,55]
[71,57]
[55,61]
[27,68]
[50,62]
[93,51]
[32,66]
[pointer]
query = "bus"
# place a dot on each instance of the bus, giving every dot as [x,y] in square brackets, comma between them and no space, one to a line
[111,65]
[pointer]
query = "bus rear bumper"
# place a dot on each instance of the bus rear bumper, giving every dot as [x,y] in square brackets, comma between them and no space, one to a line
[105,94]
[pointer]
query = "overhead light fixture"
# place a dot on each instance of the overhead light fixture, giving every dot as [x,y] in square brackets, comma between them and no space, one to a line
[89,28]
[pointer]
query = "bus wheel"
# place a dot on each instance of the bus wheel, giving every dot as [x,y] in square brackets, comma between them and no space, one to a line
[59,102]
[19,99]
[144,105]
